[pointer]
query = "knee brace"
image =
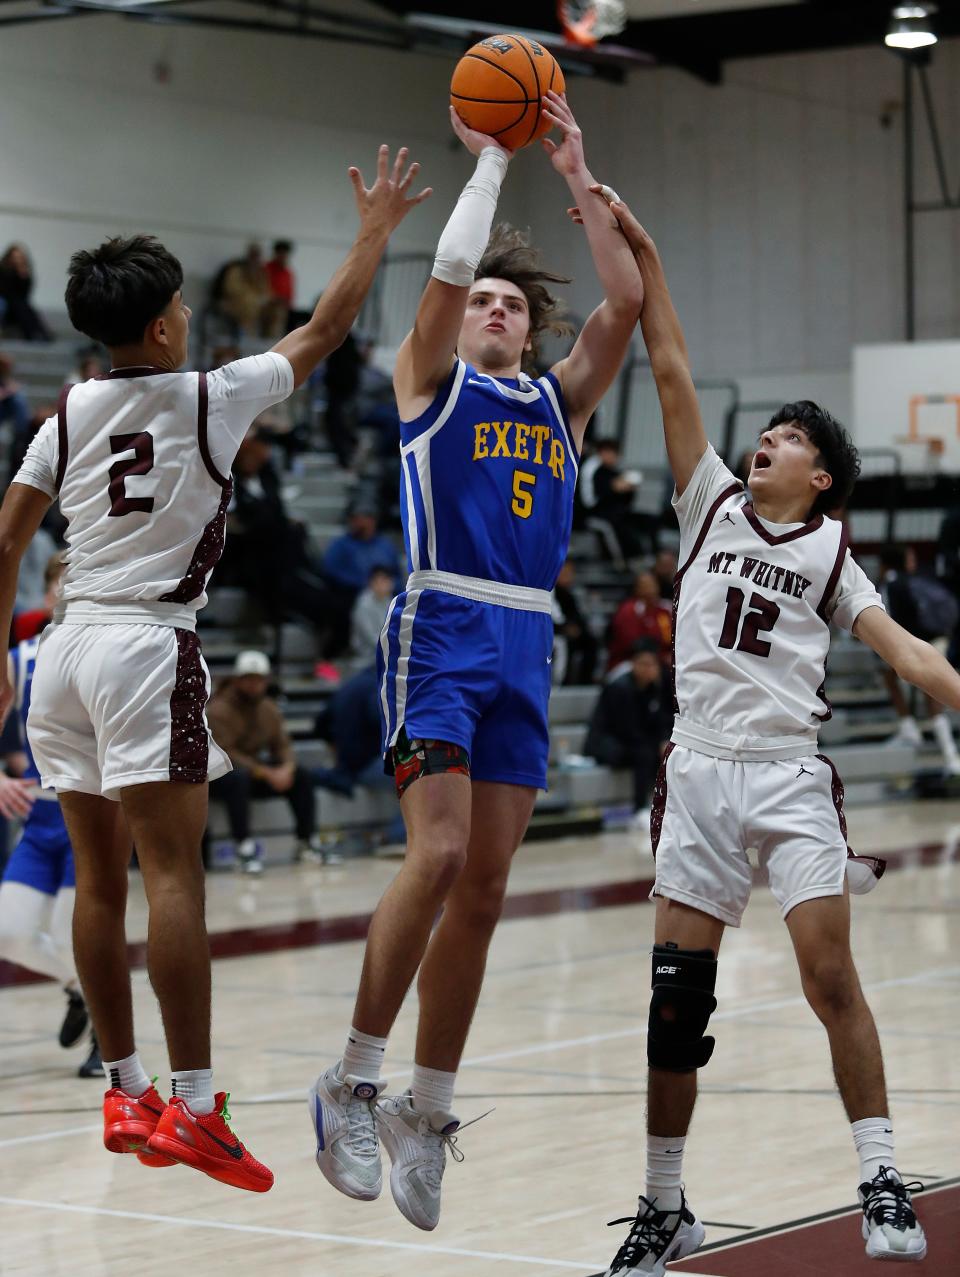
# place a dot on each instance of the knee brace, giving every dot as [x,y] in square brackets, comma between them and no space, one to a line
[680,1008]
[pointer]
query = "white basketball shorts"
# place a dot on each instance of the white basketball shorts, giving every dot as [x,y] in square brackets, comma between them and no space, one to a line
[711,814]
[118,705]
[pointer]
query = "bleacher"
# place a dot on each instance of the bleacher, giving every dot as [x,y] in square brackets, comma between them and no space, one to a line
[581,794]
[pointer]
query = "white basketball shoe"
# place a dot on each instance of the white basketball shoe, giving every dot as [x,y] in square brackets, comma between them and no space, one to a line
[348,1150]
[417,1144]
[890,1228]
[655,1239]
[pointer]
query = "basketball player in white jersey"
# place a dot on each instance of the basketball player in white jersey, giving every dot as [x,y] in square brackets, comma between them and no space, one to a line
[140,461]
[490,457]
[762,576]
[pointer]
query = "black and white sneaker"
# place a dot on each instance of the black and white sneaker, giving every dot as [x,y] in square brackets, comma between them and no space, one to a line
[93,1064]
[75,1020]
[655,1239]
[890,1228]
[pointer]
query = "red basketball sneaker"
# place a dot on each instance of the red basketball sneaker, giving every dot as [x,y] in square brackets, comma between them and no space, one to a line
[206,1142]
[128,1123]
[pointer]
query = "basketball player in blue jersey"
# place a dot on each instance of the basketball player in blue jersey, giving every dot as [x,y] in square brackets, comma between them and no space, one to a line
[489,463]
[39,886]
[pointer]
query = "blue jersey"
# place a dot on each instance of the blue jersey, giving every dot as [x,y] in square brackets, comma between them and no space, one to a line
[488,474]
[24,659]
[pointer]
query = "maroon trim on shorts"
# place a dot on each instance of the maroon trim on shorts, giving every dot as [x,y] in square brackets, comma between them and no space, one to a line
[209,548]
[63,447]
[876,863]
[834,576]
[753,519]
[659,804]
[189,744]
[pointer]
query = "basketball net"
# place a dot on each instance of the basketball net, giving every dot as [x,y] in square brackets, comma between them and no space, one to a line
[584,23]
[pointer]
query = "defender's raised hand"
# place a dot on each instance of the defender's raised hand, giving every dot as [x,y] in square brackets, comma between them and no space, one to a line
[385,204]
[633,232]
[567,155]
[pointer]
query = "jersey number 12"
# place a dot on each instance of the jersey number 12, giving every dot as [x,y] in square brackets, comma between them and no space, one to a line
[761,618]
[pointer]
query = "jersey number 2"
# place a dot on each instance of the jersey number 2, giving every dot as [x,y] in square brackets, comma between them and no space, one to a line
[523,484]
[141,445]
[759,620]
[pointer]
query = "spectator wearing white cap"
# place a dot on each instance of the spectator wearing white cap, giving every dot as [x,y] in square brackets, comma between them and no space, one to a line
[248,725]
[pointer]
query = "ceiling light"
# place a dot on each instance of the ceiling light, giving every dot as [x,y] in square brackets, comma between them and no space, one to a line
[911,26]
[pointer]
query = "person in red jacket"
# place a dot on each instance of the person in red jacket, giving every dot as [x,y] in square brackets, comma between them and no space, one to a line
[641,616]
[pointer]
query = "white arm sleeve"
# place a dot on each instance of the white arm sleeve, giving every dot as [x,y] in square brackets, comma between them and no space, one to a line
[466,233]
[39,466]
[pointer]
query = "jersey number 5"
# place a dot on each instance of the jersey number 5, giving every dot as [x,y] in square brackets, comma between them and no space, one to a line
[141,445]
[759,620]
[523,485]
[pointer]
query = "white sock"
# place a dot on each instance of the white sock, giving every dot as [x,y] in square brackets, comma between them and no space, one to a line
[907,729]
[432,1090]
[127,1075]
[873,1137]
[940,726]
[195,1088]
[363,1056]
[665,1170]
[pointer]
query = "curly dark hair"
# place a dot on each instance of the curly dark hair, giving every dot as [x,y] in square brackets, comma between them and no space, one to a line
[114,291]
[835,451]
[510,256]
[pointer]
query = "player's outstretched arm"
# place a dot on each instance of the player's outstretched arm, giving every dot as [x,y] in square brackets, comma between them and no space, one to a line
[20,516]
[914,660]
[683,429]
[382,208]
[427,353]
[589,370]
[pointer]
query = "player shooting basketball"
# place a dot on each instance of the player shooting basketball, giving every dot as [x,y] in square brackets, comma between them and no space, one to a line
[489,460]
[761,578]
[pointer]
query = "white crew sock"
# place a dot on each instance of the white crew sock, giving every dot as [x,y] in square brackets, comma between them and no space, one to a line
[908,730]
[432,1090]
[195,1088]
[873,1137]
[127,1075]
[363,1056]
[940,726]
[665,1171]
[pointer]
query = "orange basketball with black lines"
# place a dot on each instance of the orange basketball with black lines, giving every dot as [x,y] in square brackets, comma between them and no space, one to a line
[498,87]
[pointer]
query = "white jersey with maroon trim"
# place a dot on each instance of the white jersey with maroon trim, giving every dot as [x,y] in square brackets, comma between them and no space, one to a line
[141,460]
[753,602]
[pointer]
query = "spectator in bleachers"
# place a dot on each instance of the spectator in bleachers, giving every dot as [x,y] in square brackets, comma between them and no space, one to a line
[641,616]
[249,726]
[369,614]
[28,623]
[241,292]
[348,563]
[90,364]
[32,585]
[665,570]
[948,569]
[17,317]
[14,408]
[22,438]
[283,284]
[574,641]
[351,724]
[225,353]
[607,493]
[927,609]
[341,377]
[632,722]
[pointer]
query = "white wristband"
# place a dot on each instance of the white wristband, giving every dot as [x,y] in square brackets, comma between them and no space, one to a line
[466,234]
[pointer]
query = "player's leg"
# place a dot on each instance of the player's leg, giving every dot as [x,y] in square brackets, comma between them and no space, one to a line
[436,810]
[820,931]
[415,1127]
[167,820]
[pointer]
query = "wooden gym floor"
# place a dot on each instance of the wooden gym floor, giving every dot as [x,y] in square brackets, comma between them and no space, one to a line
[557,1050]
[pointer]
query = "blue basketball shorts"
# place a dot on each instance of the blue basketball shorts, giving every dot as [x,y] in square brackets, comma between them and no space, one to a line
[43,858]
[471,674]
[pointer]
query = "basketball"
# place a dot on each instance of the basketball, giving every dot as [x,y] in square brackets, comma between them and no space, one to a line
[498,87]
